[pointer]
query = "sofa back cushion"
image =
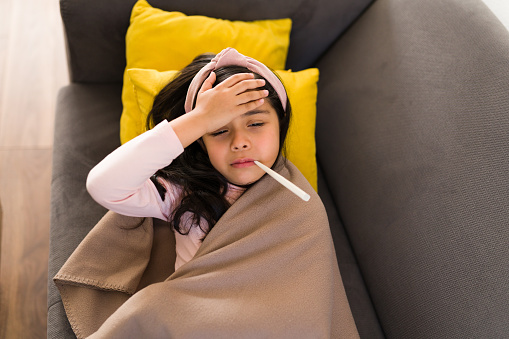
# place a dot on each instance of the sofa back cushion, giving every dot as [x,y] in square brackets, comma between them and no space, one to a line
[416,158]
[95,29]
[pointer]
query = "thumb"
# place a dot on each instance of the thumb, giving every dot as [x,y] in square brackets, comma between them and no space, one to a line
[207,84]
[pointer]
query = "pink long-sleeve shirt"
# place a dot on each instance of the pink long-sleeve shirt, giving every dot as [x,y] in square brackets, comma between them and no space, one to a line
[121,183]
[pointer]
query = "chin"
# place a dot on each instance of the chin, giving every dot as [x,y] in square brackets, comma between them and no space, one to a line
[245,182]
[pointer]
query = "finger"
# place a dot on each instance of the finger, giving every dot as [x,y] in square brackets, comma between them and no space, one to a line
[251,96]
[247,85]
[236,78]
[208,83]
[251,105]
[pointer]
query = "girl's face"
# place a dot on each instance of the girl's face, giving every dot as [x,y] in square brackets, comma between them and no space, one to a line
[251,136]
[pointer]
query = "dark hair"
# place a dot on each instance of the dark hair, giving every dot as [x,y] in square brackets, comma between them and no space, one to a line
[203,187]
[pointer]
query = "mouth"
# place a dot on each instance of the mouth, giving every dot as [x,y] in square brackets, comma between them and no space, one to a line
[242,163]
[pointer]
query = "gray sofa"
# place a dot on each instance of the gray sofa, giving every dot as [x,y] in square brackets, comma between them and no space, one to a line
[412,146]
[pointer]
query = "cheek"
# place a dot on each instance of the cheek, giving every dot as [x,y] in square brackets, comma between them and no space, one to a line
[213,150]
[270,142]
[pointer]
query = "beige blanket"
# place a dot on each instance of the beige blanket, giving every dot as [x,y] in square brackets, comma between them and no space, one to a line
[266,270]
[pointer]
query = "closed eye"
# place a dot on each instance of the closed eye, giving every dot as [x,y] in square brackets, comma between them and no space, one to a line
[257,124]
[215,134]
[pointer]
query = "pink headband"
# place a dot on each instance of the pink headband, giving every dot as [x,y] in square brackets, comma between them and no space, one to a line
[227,57]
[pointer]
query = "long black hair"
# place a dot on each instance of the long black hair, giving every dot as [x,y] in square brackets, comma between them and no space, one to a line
[203,187]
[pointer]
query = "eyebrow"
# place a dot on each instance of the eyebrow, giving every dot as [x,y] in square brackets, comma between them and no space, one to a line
[256,111]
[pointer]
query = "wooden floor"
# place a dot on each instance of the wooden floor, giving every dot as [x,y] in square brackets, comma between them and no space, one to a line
[32,69]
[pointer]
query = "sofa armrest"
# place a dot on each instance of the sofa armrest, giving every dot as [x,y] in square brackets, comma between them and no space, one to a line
[412,137]
[86,130]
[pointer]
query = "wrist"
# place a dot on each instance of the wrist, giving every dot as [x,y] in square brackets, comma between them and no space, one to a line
[189,127]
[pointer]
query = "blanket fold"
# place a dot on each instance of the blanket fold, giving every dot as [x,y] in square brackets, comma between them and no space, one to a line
[267,269]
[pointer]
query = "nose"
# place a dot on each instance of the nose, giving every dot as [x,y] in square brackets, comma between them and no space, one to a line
[240,142]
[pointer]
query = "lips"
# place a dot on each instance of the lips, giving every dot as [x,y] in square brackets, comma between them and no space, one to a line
[241,163]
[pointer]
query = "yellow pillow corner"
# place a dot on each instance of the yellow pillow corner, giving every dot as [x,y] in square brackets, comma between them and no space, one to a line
[147,84]
[141,87]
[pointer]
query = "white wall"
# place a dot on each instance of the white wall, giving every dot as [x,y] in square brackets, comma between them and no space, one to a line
[501,10]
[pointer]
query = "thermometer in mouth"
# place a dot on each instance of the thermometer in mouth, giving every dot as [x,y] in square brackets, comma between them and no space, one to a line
[283,181]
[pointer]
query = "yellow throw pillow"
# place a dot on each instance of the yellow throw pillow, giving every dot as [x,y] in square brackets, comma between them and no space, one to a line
[302,91]
[162,40]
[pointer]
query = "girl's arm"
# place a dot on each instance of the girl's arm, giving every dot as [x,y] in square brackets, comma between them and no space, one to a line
[121,182]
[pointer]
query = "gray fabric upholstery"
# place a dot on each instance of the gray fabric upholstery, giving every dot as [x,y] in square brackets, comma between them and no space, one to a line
[98,57]
[58,325]
[86,130]
[359,299]
[415,154]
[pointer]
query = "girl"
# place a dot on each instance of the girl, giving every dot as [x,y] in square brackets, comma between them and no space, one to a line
[211,122]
